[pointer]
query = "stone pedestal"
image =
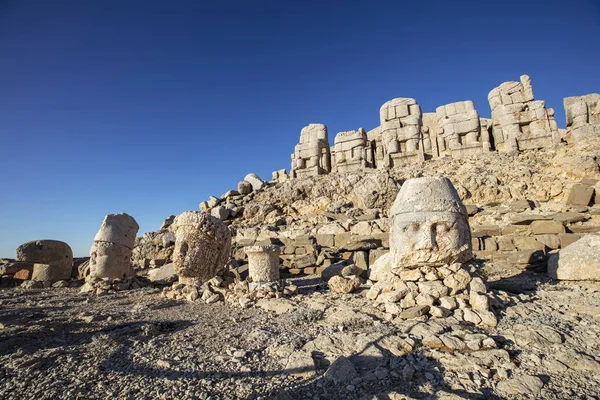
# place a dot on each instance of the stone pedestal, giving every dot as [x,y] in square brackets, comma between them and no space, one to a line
[263,263]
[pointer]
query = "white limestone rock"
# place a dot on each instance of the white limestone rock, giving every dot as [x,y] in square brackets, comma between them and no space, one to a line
[118,228]
[579,261]
[255,181]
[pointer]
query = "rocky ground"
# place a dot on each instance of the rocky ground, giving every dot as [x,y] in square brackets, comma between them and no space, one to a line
[59,343]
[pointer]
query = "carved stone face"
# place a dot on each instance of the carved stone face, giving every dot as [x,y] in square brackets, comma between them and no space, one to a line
[429,225]
[429,238]
[202,247]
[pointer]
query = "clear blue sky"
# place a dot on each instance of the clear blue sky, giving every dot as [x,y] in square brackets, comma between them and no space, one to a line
[148,107]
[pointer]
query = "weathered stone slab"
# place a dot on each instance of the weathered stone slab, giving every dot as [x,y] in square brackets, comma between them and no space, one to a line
[547,227]
[580,195]
[578,261]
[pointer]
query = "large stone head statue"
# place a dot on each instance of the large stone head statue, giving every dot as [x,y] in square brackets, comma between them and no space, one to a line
[429,225]
[202,247]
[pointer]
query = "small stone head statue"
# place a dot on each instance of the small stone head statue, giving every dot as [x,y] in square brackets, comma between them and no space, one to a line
[429,225]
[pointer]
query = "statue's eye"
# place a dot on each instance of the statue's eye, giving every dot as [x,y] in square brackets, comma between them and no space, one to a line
[411,228]
[441,228]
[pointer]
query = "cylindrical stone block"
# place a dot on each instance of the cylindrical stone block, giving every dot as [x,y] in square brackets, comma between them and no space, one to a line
[263,263]
[57,256]
[50,272]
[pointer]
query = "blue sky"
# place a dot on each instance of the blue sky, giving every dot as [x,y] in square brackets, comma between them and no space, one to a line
[148,107]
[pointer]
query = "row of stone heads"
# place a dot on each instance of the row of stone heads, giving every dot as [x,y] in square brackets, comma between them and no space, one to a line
[429,227]
[406,134]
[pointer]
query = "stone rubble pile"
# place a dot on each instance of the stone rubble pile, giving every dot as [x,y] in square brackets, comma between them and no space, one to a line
[231,288]
[155,249]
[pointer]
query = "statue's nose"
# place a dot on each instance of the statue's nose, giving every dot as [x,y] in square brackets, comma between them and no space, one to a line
[425,240]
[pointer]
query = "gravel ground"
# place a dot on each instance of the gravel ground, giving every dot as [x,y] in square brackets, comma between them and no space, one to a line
[60,344]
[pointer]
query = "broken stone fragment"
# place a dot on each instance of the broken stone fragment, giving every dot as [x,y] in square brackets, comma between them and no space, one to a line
[339,284]
[578,261]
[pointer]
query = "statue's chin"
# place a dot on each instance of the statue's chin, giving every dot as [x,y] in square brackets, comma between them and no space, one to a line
[434,258]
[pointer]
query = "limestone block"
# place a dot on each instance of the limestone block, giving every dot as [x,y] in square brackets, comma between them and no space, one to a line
[582,110]
[220,212]
[429,224]
[255,181]
[202,246]
[263,263]
[55,253]
[550,241]
[280,175]
[339,284]
[566,239]
[578,261]
[361,259]
[527,243]
[244,187]
[547,227]
[580,195]
[505,244]
[325,240]
[213,201]
[118,228]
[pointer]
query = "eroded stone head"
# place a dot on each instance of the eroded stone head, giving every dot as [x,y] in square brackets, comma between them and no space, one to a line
[429,225]
[202,246]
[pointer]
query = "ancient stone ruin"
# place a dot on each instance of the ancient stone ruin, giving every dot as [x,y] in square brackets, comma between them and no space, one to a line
[311,155]
[401,137]
[202,247]
[425,271]
[350,151]
[407,135]
[520,121]
[461,132]
[583,116]
[110,255]
[263,264]
[110,263]
[361,278]
[45,260]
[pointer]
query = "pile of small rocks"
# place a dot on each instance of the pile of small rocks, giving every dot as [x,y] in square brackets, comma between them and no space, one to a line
[450,290]
[230,288]
[101,286]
